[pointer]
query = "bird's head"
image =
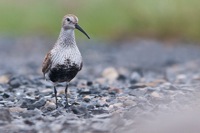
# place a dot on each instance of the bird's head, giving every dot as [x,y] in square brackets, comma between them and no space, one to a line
[70,21]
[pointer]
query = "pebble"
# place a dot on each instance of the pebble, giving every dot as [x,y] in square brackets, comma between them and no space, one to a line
[30,113]
[123,71]
[99,111]
[9,104]
[121,77]
[6,95]
[4,79]
[115,90]
[31,103]
[156,95]
[50,105]
[27,102]
[28,122]
[135,77]
[100,80]
[181,78]
[56,113]
[62,91]
[79,110]
[87,98]
[39,103]
[17,109]
[14,82]
[101,103]
[110,73]
[86,91]
[90,107]
[138,92]
[89,83]
[46,92]
[117,105]
[129,103]
[5,115]
[136,86]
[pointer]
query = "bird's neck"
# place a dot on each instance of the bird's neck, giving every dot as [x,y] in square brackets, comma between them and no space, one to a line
[66,38]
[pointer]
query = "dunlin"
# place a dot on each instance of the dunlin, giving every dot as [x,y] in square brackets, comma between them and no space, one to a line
[64,60]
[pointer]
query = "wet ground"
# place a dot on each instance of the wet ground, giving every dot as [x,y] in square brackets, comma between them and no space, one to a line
[139,86]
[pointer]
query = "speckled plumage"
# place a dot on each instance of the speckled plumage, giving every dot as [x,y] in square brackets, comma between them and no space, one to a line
[64,61]
[65,53]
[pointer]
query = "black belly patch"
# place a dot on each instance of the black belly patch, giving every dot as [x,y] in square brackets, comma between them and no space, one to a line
[63,73]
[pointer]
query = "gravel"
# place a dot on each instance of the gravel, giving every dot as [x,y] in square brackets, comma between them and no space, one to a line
[139,86]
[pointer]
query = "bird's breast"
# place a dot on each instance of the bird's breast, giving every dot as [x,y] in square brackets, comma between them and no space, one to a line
[65,65]
[67,57]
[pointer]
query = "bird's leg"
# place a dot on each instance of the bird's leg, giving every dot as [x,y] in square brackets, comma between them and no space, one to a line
[66,88]
[55,92]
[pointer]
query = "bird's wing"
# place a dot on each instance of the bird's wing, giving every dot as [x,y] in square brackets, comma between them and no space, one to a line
[81,66]
[46,63]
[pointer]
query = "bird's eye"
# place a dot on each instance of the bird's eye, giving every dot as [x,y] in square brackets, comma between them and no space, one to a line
[68,19]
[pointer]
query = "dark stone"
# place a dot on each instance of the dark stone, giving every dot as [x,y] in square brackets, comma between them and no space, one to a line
[95,91]
[14,82]
[89,83]
[137,86]
[86,100]
[30,113]
[28,103]
[56,113]
[98,105]
[170,62]
[5,115]
[1,98]
[28,122]
[121,77]
[135,77]
[101,105]
[39,103]
[79,110]
[6,95]
[32,103]
[104,87]
[133,81]
[108,100]
[112,92]
[99,111]
[90,107]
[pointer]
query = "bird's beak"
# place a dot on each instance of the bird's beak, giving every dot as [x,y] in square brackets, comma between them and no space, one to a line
[81,30]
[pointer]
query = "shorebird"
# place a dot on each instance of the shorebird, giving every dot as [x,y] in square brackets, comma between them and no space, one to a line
[64,60]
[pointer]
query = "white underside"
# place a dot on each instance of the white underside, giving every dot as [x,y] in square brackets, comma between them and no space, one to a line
[60,55]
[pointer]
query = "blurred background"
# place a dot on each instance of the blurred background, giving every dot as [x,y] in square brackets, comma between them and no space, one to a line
[105,20]
[31,27]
